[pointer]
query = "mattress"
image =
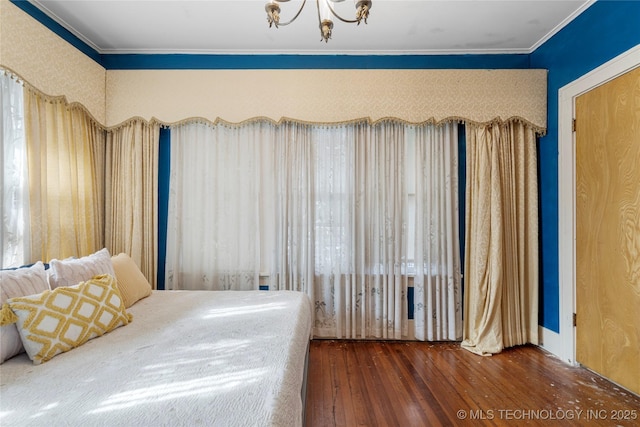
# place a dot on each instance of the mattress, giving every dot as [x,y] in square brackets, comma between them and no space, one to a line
[231,358]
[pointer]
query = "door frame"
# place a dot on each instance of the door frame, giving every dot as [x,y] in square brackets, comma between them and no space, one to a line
[563,344]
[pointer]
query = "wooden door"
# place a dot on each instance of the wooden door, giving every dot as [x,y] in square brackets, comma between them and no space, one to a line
[608,230]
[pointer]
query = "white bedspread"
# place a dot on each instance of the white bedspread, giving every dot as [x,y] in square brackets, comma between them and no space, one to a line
[188,358]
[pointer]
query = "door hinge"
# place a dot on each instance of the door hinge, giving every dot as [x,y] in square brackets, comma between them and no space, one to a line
[574,320]
[573,125]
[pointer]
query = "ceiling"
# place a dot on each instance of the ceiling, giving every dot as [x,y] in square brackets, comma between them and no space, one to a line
[395,27]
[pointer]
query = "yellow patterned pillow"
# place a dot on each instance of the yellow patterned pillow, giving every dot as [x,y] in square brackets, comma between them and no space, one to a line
[56,321]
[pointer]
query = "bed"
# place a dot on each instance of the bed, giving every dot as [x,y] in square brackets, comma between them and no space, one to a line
[228,358]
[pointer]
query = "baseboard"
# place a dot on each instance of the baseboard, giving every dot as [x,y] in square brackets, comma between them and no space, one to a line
[552,342]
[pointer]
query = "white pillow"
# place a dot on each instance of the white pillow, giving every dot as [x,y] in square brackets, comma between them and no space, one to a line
[72,271]
[18,283]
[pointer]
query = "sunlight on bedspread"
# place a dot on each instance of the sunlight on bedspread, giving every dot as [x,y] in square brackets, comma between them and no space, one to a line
[188,358]
[243,311]
[208,386]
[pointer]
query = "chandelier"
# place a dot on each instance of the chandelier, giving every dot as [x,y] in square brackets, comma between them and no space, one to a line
[325,12]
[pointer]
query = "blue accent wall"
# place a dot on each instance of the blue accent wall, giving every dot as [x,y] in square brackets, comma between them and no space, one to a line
[462,208]
[164,167]
[410,302]
[299,62]
[599,34]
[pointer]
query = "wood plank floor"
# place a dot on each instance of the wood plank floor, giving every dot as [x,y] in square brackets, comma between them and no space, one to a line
[372,383]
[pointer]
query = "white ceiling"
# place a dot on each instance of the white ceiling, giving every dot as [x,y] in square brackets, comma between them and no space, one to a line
[240,26]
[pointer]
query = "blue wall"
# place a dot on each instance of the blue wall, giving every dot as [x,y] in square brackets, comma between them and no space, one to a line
[298,62]
[602,32]
[164,166]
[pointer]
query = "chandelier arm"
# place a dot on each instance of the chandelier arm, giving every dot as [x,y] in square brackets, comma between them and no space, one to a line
[296,15]
[348,21]
[318,9]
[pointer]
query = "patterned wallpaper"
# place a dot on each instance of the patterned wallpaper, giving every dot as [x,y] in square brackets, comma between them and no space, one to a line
[327,95]
[49,63]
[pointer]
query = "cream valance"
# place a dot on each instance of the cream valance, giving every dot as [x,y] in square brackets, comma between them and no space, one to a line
[321,96]
[327,96]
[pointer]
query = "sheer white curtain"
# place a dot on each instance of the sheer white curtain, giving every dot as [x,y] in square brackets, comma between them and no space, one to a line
[213,231]
[342,212]
[14,203]
[361,240]
[338,294]
[288,228]
[387,211]
[384,242]
[437,281]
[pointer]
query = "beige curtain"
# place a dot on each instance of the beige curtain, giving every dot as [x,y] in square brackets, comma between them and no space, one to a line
[501,265]
[132,194]
[66,157]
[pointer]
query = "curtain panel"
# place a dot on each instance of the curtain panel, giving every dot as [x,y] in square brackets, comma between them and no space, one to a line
[216,198]
[501,281]
[14,203]
[66,161]
[323,209]
[131,194]
[437,282]
[293,219]
[361,231]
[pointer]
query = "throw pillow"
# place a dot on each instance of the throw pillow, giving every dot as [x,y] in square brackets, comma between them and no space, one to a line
[72,271]
[59,320]
[18,283]
[131,282]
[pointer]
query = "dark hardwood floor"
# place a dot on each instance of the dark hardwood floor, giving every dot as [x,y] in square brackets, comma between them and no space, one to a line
[373,383]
